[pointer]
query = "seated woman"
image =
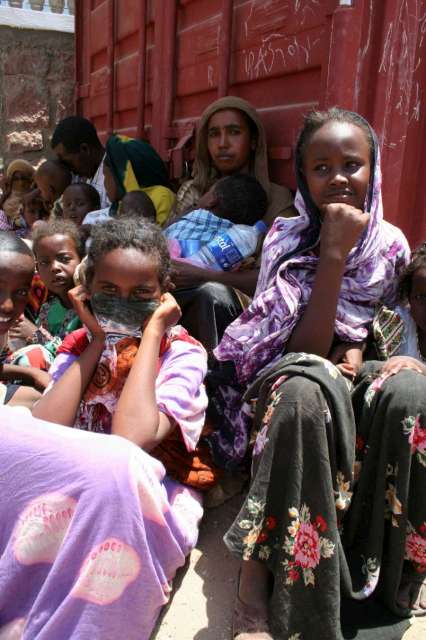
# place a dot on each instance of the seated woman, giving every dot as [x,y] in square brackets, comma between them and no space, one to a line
[98,526]
[18,182]
[134,165]
[231,139]
[322,276]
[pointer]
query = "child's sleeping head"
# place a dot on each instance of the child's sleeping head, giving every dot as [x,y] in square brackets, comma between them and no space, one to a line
[58,250]
[239,198]
[16,274]
[137,204]
[78,200]
[52,179]
[412,286]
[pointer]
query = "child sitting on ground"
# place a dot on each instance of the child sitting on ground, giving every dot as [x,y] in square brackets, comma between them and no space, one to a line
[17,182]
[58,250]
[16,272]
[400,334]
[234,200]
[52,178]
[31,210]
[145,385]
[78,200]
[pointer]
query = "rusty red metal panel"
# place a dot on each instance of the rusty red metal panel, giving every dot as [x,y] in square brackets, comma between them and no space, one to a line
[158,64]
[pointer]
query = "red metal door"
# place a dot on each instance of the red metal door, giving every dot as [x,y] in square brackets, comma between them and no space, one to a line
[150,67]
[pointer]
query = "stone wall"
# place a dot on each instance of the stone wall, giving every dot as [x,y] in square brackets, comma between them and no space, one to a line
[36,90]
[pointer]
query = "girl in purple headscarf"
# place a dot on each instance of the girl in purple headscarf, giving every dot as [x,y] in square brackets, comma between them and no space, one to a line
[322,276]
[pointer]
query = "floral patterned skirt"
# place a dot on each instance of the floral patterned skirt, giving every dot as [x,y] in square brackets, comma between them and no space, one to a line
[334,477]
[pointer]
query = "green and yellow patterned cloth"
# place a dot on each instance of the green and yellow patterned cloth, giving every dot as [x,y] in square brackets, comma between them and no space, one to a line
[138,167]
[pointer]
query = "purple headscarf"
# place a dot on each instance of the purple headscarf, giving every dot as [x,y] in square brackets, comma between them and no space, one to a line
[259,336]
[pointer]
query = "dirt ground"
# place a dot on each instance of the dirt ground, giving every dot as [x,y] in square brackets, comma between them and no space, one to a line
[201,607]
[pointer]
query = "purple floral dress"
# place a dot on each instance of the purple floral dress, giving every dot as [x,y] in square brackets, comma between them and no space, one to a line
[337,505]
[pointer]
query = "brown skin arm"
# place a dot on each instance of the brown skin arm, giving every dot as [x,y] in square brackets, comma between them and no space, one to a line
[24,329]
[348,358]
[136,416]
[61,403]
[341,228]
[29,376]
[186,275]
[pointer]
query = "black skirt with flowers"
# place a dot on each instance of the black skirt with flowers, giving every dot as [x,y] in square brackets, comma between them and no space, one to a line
[335,476]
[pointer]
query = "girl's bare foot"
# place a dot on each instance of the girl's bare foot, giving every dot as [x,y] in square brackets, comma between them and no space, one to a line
[412,593]
[251,606]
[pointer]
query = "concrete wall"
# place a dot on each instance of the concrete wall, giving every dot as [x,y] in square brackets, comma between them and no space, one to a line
[36,89]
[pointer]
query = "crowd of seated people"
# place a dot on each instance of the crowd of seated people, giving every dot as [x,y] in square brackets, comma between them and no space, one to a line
[154,340]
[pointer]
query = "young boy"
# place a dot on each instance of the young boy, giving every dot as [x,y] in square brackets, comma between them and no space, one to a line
[16,272]
[234,200]
[52,178]
[78,200]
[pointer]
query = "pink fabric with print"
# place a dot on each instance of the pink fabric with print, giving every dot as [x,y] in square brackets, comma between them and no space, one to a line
[93,530]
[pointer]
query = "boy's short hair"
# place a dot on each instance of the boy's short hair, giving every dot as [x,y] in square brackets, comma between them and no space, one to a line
[137,204]
[74,131]
[240,198]
[58,226]
[91,193]
[55,169]
[52,166]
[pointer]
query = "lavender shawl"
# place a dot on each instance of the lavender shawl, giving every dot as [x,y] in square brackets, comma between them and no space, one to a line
[258,337]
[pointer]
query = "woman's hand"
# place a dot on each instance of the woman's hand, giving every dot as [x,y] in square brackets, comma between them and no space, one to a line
[347,356]
[398,363]
[165,316]
[185,275]
[342,227]
[23,329]
[79,298]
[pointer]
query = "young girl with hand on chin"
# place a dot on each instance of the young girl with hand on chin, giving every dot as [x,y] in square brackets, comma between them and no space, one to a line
[99,526]
[322,276]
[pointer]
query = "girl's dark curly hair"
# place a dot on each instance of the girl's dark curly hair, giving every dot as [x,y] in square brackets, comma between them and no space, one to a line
[418,261]
[129,234]
[58,226]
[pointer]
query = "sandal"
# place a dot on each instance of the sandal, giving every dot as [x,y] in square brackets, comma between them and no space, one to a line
[250,623]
